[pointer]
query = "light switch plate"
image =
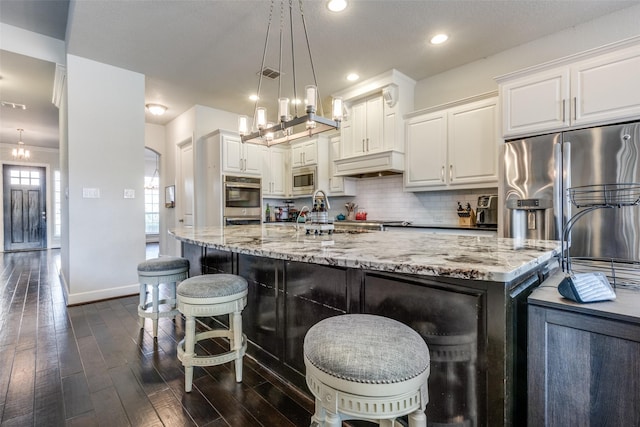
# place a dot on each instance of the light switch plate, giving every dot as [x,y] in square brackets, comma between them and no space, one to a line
[129,193]
[91,193]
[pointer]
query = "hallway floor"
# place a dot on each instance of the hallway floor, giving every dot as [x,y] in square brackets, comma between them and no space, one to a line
[91,365]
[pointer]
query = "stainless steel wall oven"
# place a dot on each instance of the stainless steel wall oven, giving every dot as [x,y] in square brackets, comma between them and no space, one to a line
[242,200]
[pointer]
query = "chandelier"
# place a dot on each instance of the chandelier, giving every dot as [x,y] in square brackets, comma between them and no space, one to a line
[298,125]
[20,153]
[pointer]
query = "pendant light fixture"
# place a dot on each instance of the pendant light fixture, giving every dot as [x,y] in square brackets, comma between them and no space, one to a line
[20,153]
[300,124]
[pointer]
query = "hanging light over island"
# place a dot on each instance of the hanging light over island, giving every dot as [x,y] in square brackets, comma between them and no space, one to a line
[288,128]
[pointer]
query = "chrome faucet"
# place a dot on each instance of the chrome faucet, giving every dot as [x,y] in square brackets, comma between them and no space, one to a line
[324,196]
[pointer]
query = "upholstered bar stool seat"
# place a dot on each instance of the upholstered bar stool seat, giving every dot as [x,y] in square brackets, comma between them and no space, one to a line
[212,295]
[151,273]
[361,366]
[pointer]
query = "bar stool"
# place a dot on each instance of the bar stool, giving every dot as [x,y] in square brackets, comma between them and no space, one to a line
[366,367]
[168,270]
[212,295]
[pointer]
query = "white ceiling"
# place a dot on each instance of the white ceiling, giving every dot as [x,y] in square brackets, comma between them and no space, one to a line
[209,52]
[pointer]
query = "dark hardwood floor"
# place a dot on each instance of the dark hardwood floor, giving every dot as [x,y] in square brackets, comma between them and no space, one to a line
[92,365]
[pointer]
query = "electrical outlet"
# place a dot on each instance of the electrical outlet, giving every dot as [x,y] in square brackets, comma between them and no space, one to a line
[129,193]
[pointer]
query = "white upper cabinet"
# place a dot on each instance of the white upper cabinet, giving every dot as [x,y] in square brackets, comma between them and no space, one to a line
[367,127]
[535,103]
[607,87]
[596,87]
[304,153]
[454,147]
[372,131]
[274,171]
[426,150]
[240,158]
[473,143]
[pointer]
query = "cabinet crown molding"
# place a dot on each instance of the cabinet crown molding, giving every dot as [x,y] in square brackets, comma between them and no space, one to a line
[463,101]
[377,84]
[567,60]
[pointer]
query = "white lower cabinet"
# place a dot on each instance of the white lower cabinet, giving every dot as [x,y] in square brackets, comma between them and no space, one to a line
[274,171]
[454,147]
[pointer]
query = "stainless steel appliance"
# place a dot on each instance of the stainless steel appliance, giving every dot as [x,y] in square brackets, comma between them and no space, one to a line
[544,167]
[242,200]
[304,180]
[487,211]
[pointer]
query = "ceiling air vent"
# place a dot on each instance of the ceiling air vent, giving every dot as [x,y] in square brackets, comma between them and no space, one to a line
[270,73]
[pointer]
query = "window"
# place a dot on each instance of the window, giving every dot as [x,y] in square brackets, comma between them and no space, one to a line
[25,177]
[152,205]
[57,205]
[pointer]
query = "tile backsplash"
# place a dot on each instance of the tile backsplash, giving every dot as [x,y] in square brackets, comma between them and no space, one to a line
[384,199]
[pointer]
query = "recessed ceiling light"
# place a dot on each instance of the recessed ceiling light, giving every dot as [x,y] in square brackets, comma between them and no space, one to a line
[353,77]
[336,5]
[439,38]
[156,109]
[253,97]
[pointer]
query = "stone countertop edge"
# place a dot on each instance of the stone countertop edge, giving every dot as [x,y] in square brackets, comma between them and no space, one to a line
[485,258]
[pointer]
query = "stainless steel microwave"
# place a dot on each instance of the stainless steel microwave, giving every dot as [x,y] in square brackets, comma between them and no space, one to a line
[304,181]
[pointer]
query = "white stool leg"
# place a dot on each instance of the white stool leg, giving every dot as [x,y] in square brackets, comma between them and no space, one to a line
[417,419]
[174,301]
[189,351]
[387,423]
[155,309]
[235,324]
[318,417]
[143,302]
[332,420]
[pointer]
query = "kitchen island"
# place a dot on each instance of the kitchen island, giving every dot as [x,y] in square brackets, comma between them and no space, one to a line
[465,295]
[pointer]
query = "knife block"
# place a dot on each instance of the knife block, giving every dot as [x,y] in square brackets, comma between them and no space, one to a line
[467,217]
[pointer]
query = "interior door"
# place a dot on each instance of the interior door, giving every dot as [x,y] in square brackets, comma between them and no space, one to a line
[184,199]
[24,207]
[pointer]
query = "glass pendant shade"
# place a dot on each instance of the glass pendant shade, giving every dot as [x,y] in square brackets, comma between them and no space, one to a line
[243,125]
[337,108]
[261,117]
[312,94]
[283,109]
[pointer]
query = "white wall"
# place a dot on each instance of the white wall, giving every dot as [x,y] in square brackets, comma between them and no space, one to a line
[106,138]
[193,125]
[478,77]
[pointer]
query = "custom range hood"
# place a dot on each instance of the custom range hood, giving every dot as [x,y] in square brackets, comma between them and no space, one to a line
[369,165]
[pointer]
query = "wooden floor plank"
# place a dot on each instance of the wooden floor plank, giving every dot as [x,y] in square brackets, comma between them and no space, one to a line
[20,390]
[94,366]
[49,405]
[76,396]
[108,408]
[170,409]
[136,403]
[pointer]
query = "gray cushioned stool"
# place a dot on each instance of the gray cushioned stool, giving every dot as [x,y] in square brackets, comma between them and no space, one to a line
[168,270]
[361,366]
[212,295]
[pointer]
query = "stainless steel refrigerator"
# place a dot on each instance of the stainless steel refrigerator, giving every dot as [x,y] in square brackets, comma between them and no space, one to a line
[539,170]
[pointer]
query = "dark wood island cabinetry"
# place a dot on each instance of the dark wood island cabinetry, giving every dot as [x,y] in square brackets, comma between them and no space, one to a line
[473,326]
[584,359]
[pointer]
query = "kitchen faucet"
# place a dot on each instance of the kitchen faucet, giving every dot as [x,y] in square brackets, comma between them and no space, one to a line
[324,196]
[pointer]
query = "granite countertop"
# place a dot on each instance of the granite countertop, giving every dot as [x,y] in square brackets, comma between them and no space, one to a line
[467,257]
